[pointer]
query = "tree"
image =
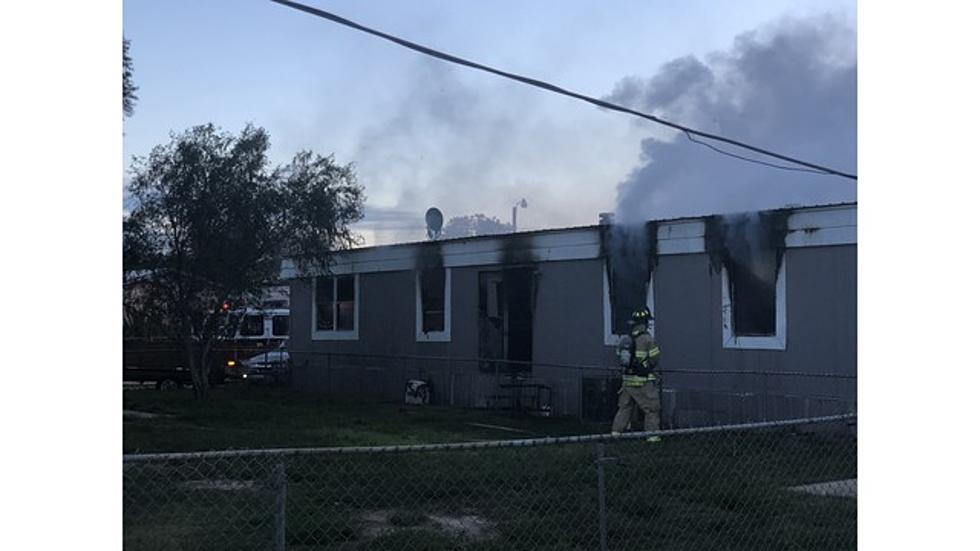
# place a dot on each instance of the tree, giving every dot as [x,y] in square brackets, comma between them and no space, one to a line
[474,224]
[212,223]
[129,89]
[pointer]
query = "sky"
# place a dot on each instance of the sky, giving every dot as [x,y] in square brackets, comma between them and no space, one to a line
[422,133]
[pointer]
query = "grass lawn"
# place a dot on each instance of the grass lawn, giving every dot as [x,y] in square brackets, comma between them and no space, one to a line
[700,491]
[240,416]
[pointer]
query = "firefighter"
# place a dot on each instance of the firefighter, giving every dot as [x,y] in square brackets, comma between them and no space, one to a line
[638,356]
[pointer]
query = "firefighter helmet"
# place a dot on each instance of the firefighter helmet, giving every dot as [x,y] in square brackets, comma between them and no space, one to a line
[642,316]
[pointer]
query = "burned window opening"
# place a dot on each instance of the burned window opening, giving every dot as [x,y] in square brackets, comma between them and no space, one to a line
[750,248]
[752,288]
[431,296]
[630,253]
[432,288]
[628,287]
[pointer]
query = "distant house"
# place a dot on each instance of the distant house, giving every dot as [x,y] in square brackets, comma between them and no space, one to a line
[771,291]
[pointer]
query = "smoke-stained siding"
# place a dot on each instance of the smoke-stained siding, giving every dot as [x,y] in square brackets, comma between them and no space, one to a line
[568,327]
[821,288]
[821,334]
[822,310]
[821,307]
[466,295]
[684,317]
[386,327]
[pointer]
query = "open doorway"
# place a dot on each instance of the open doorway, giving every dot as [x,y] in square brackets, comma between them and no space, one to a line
[506,319]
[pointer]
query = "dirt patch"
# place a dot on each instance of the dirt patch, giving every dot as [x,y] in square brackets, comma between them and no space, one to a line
[467,526]
[133,414]
[224,485]
[389,522]
[835,488]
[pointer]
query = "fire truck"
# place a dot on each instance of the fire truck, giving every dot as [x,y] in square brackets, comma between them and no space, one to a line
[251,333]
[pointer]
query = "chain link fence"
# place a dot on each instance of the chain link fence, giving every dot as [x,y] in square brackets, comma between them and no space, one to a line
[772,485]
[691,397]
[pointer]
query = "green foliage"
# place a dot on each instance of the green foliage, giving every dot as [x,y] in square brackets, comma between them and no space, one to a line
[213,222]
[129,88]
[473,225]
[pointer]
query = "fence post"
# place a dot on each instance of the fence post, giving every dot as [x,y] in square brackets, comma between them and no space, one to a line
[765,396]
[452,387]
[280,511]
[600,456]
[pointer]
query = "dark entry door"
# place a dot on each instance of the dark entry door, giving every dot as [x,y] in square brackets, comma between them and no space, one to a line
[506,318]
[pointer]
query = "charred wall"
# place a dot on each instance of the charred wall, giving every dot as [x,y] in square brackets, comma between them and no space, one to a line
[821,317]
[562,300]
[508,297]
[750,247]
[432,282]
[629,253]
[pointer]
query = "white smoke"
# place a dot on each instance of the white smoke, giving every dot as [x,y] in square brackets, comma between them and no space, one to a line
[467,143]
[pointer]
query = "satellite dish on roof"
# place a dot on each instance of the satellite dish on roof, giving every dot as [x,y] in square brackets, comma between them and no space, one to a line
[433,222]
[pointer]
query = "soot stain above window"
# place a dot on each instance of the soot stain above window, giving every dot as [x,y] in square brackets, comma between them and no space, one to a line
[750,247]
[630,253]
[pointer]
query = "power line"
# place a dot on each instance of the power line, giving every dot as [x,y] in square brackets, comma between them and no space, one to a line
[552,88]
[748,159]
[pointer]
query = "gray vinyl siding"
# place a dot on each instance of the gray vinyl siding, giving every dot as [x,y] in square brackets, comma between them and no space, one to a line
[821,336]
[821,333]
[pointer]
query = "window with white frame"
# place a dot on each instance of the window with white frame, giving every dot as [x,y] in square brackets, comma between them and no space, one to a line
[432,304]
[335,307]
[621,295]
[754,302]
